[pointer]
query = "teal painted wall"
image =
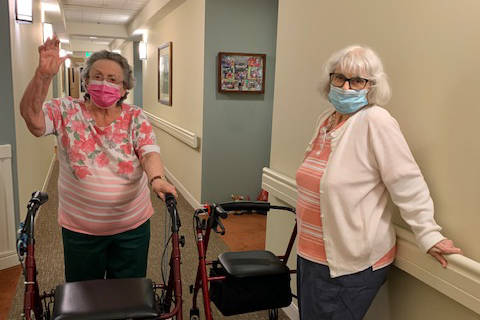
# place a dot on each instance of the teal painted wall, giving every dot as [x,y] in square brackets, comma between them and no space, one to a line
[237,127]
[7,119]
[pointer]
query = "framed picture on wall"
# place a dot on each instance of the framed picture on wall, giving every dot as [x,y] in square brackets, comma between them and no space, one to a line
[165,73]
[241,72]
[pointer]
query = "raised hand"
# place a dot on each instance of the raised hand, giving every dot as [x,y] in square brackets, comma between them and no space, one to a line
[49,58]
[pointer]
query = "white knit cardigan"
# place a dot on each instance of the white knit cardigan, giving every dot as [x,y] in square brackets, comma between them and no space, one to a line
[370,159]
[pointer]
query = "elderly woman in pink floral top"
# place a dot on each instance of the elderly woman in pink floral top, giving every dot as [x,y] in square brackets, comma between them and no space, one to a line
[108,155]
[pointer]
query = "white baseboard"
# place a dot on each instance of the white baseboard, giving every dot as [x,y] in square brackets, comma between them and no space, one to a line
[183,190]
[8,259]
[292,311]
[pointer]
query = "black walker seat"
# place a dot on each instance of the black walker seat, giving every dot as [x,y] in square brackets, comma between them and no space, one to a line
[131,298]
[245,264]
[255,280]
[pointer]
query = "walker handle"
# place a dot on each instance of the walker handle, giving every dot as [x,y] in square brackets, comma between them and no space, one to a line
[257,206]
[171,204]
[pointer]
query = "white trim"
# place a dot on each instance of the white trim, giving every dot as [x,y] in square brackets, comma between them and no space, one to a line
[280,185]
[187,137]
[460,281]
[292,311]
[8,258]
[183,190]
[5,151]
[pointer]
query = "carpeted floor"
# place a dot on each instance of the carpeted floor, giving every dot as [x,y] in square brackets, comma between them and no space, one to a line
[49,253]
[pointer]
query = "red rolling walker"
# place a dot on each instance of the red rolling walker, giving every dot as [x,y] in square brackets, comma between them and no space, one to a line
[239,282]
[132,298]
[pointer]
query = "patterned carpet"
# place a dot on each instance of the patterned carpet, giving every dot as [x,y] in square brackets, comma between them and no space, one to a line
[49,253]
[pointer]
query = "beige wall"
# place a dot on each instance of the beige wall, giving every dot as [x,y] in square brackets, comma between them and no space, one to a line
[430,50]
[34,155]
[184,26]
[127,52]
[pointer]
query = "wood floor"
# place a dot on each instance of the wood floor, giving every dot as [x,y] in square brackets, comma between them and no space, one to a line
[243,232]
[8,283]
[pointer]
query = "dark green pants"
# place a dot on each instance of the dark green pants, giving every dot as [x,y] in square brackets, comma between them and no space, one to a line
[122,255]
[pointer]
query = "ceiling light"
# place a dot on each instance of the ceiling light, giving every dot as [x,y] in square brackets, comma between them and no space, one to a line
[142,50]
[23,11]
[139,31]
[47,31]
[117,51]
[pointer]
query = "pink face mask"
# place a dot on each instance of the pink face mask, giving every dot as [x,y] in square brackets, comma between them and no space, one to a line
[103,93]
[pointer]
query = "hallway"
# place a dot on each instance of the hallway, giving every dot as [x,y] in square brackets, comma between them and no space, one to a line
[187,54]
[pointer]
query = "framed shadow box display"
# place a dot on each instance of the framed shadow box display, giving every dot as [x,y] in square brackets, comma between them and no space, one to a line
[241,72]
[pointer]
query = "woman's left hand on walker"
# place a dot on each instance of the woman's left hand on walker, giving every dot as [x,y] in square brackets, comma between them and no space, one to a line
[160,187]
[442,248]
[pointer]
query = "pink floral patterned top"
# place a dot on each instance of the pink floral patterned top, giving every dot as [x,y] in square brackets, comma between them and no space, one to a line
[102,187]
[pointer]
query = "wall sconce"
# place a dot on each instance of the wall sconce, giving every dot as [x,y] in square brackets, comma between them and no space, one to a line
[47,31]
[68,63]
[142,50]
[23,11]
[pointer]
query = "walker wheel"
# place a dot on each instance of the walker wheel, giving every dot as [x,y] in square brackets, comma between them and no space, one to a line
[194,314]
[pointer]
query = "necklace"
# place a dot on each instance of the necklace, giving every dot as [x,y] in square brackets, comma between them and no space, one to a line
[325,130]
[331,122]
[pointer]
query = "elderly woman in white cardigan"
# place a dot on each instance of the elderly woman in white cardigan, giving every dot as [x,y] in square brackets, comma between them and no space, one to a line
[355,160]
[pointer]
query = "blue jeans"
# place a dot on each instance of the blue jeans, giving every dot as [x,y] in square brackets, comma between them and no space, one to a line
[346,297]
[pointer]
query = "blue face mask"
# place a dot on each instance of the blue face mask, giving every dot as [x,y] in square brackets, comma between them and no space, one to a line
[347,101]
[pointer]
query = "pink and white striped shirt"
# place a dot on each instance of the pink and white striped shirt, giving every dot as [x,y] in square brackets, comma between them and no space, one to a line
[102,187]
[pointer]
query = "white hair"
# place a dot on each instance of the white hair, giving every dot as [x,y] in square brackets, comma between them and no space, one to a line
[359,61]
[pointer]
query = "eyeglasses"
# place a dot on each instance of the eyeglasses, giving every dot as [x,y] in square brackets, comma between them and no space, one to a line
[356,83]
[110,78]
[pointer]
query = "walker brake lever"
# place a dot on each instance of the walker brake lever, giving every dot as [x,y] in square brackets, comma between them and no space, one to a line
[217,224]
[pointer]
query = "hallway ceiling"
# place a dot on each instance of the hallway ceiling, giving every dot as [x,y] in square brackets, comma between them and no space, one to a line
[93,39]
[80,17]
[102,11]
